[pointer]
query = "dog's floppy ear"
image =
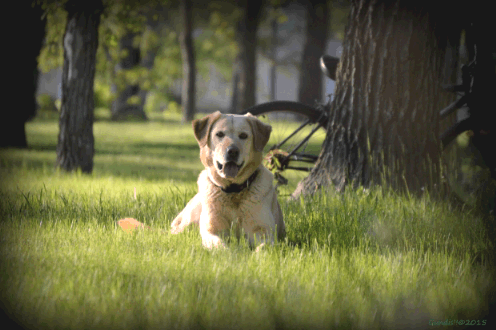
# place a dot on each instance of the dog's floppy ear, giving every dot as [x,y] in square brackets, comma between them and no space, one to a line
[261,132]
[202,127]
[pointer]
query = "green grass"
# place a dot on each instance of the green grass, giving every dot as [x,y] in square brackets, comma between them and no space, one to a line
[363,259]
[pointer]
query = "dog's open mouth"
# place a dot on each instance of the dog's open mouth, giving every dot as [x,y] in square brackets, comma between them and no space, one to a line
[230,169]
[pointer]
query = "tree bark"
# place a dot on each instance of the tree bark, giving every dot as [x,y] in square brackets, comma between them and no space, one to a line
[384,120]
[189,68]
[75,147]
[12,128]
[310,87]
[121,108]
[247,39]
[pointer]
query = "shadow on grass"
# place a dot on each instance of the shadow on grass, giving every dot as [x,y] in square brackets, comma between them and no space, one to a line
[158,166]
[140,148]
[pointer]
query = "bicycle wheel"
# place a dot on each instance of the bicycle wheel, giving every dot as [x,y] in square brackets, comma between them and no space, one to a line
[298,132]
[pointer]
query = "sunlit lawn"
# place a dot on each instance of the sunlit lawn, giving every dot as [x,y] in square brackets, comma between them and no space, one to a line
[364,259]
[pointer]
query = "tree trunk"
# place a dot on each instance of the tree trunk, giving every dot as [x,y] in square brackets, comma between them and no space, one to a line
[121,107]
[247,39]
[75,147]
[310,88]
[273,65]
[188,57]
[235,84]
[12,128]
[384,120]
[147,62]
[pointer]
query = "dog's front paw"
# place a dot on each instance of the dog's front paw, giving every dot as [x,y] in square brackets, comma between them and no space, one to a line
[260,247]
[213,242]
[176,225]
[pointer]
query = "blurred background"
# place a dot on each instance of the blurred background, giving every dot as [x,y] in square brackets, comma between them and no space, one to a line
[139,54]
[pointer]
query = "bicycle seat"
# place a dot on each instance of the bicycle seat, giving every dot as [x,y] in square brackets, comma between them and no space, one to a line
[329,65]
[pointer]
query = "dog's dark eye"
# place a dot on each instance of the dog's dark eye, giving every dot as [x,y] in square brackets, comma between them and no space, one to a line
[219,134]
[243,136]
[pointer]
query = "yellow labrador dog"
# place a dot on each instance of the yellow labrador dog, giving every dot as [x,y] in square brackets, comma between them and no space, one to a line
[235,190]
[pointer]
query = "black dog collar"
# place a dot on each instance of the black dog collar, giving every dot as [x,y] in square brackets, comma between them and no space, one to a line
[236,188]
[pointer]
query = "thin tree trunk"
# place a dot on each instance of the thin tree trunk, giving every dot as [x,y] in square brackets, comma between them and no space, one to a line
[247,36]
[147,62]
[310,87]
[121,108]
[75,146]
[12,127]
[273,65]
[384,124]
[189,69]
[235,85]
[147,59]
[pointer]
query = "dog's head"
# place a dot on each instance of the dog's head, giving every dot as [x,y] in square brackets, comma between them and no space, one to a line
[231,145]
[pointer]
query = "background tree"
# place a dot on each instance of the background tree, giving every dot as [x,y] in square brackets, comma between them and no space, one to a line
[310,87]
[247,40]
[188,57]
[149,48]
[75,147]
[384,120]
[127,101]
[273,58]
[12,130]
[235,84]
[276,16]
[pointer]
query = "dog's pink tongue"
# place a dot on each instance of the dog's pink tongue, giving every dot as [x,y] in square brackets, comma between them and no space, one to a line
[230,169]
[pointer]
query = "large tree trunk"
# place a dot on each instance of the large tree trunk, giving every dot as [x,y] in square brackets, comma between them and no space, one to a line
[247,39]
[384,120]
[121,107]
[75,146]
[189,69]
[310,87]
[12,128]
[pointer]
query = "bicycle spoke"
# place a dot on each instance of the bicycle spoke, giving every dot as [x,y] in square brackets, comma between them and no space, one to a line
[278,146]
[453,106]
[308,156]
[302,142]
[306,169]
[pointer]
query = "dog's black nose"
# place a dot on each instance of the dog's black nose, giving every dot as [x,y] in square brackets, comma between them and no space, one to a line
[232,153]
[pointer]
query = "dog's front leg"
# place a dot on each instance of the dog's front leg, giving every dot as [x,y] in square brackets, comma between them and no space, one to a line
[260,229]
[212,227]
[190,214]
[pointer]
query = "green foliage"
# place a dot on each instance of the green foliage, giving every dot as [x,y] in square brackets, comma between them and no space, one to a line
[168,65]
[46,103]
[52,52]
[102,95]
[155,102]
[173,107]
[217,43]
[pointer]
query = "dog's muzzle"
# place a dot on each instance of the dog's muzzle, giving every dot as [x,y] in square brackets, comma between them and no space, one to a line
[230,168]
